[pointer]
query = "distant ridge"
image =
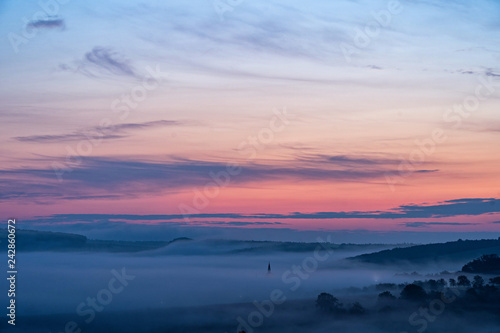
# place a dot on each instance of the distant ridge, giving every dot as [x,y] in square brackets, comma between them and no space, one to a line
[458,250]
[34,240]
[279,246]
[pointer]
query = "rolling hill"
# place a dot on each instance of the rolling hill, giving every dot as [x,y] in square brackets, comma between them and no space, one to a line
[461,250]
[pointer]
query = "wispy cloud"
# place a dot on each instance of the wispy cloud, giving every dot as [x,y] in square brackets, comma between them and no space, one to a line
[46,23]
[115,132]
[102,62]
[238,223]
[112,174]
[450,208]
[76,136]
[492,72]
[427,171]
[478,71]
[428,224]
[353,160]
[358,161]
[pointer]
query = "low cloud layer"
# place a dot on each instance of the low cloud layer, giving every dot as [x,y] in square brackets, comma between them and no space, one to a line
[112,174]
[450,208]
[428,224]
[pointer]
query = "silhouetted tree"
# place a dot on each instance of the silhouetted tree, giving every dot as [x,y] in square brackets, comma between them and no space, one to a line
[419,283]
[412,292]
[357,309]
[463,281]
[491,291]
[385,301]
[386,296]
[386,286]
[441,284]
[433,285]
[495,280]
[328,303]
[471,294]
[453,283]
[434,294]
[478,282]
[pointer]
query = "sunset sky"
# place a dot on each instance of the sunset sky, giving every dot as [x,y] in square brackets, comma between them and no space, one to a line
[341,116]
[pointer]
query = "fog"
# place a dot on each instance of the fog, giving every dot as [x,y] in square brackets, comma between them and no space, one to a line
[52,282]
[211,286]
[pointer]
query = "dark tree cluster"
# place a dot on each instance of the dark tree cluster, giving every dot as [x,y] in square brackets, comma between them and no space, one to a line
[487,264]
[413,293]
[330,304]
[469,295]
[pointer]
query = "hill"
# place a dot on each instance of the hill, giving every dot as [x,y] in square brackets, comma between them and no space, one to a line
[32,240]
[488,264]
[419,254]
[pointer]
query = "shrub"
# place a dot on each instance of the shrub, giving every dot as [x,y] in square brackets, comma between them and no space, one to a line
[413,293]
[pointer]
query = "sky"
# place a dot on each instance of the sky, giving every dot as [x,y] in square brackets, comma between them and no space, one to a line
[220,118]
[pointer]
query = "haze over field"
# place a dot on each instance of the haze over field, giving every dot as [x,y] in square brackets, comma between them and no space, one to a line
[215,285]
